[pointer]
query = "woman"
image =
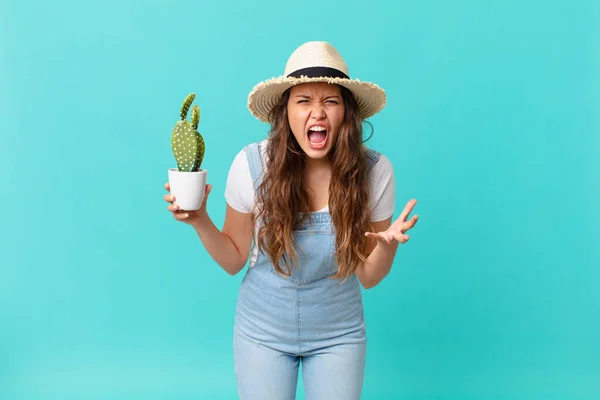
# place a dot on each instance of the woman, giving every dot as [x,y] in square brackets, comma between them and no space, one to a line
[312,207]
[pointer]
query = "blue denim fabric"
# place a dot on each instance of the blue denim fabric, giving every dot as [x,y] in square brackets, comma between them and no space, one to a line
[306,318]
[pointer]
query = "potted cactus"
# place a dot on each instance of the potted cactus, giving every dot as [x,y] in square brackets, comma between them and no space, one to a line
[188,180]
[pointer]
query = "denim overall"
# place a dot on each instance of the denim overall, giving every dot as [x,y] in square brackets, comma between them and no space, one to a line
[307,316]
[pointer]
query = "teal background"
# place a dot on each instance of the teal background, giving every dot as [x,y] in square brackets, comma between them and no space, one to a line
[492,124]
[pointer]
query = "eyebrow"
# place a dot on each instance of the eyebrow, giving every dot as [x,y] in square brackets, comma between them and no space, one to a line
[308,97]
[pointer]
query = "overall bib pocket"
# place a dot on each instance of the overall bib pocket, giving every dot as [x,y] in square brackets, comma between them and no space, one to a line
[315,256]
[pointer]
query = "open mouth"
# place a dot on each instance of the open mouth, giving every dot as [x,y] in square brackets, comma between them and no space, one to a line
[317,137]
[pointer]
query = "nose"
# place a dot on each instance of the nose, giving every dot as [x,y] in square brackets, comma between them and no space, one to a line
[318,111]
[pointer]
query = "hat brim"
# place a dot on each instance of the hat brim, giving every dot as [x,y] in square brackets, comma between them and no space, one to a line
[264,96]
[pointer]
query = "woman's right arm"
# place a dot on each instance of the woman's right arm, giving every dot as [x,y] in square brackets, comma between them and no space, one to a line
[230,247]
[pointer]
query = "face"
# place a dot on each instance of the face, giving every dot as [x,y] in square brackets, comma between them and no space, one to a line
[315,114]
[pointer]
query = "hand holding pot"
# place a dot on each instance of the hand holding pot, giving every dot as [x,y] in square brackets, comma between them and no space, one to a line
[189,217]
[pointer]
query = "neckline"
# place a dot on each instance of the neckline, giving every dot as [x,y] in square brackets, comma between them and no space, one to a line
[322,210]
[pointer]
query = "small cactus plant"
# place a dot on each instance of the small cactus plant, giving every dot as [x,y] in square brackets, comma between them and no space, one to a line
[186,142]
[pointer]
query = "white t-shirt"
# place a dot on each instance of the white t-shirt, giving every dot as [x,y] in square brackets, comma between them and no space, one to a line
[239,190]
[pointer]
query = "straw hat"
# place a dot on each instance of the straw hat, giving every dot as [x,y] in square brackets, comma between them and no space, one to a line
[315,62]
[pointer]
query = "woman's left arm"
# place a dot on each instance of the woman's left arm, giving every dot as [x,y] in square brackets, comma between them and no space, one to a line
[387,237]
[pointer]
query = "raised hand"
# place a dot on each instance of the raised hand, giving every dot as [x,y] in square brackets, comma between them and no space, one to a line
[397,231]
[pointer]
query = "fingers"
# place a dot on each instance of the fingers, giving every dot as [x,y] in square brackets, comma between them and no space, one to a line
[180,215]
[407,209]
[381,237]
[408,225]
[404,238]
[390,237]
[397,232]
[169,198]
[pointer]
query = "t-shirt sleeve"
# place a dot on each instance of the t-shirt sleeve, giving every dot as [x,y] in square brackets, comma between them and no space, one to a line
[239,192]
[382,190]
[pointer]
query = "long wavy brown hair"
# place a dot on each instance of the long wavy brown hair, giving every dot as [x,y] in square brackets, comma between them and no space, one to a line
[282,196]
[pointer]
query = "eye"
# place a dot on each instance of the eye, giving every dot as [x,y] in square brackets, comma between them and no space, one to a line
[332,101]
[302,101]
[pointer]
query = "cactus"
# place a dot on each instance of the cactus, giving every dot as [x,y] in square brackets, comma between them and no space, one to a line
[195,121]
[186,142]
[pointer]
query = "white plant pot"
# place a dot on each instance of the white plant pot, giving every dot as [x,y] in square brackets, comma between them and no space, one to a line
[188,188]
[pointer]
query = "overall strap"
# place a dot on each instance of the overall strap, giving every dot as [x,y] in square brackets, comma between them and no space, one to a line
[372,157]
[255,163]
